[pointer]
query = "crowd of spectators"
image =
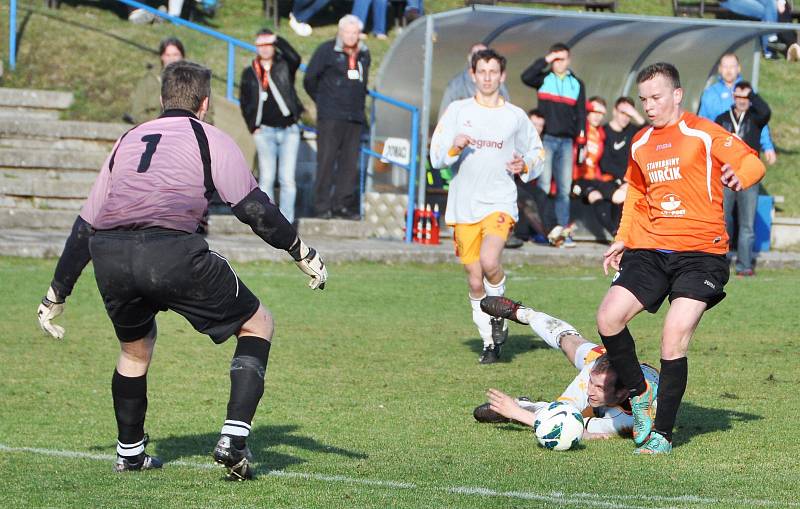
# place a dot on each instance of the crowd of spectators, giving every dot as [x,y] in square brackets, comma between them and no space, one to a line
[586,152]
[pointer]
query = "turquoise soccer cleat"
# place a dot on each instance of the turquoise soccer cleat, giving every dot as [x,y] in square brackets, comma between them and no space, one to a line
[643,409]
[655,444]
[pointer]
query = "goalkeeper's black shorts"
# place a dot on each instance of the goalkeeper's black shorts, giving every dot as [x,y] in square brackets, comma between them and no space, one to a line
[142,272]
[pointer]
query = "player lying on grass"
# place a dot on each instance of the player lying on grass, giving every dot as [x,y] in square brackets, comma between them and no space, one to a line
[596,391]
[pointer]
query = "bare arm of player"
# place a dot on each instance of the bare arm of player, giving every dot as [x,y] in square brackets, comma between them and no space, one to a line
[505,405]
[613,256]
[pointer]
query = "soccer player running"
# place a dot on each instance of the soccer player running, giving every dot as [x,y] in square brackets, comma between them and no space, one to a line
[138,226]
[487,141]
[597,392]
[671,243]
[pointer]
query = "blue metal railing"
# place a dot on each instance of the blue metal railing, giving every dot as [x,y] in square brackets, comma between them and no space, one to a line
[12,35]
[230,71]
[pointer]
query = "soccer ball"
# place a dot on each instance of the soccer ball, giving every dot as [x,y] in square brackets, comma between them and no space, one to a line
[559,426]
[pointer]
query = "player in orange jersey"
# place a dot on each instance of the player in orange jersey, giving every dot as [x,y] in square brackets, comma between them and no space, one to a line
[671,243]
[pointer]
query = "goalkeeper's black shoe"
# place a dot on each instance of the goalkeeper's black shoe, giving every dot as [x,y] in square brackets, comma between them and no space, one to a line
[237,461]
[483,413]
[499,333]
[501,307]
[141,461]
[488,355]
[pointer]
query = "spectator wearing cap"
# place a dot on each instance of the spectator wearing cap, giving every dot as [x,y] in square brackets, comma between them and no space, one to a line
[336,79]
[271,109]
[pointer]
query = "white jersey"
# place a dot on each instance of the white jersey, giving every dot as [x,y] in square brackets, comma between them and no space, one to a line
[606,420]
[482,184]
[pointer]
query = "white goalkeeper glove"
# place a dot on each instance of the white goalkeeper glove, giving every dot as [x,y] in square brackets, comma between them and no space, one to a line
[309,261]
[49,309]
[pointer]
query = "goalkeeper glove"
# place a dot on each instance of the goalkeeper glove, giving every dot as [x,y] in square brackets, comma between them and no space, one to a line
[309,261]
[49,309]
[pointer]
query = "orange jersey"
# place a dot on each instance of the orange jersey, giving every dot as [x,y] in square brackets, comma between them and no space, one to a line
[590,169]
[674,201]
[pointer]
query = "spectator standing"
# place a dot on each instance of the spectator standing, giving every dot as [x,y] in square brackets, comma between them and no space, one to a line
[361,10]
[144,103]
[562,101]
[271,109]
[336,79]
[718,98]
[302,12]
[748,115]
[462,85]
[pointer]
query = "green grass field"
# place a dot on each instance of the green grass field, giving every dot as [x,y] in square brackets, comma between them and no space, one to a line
[369,395]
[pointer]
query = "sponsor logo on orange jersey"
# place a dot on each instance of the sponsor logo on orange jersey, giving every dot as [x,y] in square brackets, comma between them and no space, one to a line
[671,206]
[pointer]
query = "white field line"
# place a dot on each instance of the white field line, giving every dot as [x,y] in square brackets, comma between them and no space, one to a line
[571,499]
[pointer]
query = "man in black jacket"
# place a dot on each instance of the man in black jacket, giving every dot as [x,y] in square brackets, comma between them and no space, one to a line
[746,118]
[562,101]
[336,79]
[271,109]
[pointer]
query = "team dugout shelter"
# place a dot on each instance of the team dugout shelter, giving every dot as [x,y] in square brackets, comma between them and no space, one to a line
[607,50]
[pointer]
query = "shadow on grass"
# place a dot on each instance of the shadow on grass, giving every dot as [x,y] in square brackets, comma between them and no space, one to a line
[694,420]
[514,345]
[262,441]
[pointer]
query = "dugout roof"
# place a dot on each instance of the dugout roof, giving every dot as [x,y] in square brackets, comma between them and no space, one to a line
[607,52]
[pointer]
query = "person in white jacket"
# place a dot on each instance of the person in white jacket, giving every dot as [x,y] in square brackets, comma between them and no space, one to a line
[596,391]
[486,141]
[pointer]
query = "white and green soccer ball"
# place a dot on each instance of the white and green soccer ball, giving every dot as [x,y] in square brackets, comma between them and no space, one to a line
[559,426]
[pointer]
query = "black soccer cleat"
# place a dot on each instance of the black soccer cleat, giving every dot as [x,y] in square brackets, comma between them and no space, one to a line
[237,461]
[485,414]
[488,356]
[135,463]
[499,333]
[501,307]
[141,461]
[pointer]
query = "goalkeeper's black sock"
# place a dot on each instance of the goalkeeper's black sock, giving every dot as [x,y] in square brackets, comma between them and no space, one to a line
[130,407]
[248,368]
[621,352]
[671,386]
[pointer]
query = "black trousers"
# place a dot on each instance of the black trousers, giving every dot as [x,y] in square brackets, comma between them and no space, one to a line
[336,187]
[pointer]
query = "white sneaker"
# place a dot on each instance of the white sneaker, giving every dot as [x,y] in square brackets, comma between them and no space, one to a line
[301,29]
[140,17]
